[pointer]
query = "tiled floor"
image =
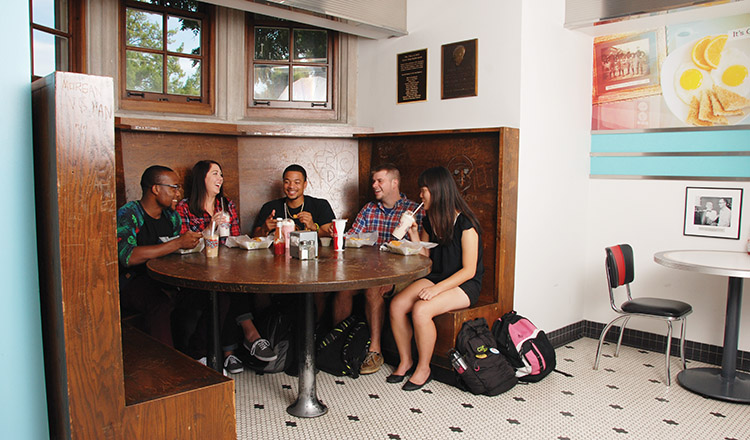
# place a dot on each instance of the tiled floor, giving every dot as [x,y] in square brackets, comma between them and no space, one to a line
[625,399]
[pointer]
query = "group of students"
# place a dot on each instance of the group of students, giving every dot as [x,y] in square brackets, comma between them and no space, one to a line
[454,282]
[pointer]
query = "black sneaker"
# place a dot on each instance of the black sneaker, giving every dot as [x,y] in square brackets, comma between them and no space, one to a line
[233,364]
[261,349]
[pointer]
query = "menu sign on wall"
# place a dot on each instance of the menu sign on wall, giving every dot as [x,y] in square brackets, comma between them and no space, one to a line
[412,76]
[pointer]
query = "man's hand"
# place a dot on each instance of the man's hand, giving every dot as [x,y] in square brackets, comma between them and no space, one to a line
[189,239]
[271,222]
[306,219]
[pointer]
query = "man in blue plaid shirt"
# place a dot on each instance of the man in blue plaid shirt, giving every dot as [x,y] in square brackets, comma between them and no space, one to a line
[381,216]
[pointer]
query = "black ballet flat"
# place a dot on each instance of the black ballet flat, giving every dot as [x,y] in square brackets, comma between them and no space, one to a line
[395,378]
[411,386]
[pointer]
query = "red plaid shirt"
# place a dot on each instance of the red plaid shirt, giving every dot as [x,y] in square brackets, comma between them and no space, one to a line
[198,224]
[375,217]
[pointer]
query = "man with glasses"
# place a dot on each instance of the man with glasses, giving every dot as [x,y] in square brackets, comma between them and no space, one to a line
[140,223]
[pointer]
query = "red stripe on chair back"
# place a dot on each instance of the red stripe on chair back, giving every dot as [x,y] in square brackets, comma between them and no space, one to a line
[620,262]
[620,265]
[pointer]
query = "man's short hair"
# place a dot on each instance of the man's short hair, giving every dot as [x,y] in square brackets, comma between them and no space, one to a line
[390,168]
[151,176]
[297,168]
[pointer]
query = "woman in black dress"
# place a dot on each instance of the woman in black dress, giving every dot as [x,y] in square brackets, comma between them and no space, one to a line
[454,282]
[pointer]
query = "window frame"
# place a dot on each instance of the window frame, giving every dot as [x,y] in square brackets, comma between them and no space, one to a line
[75,34]
[161,102]
[290,109]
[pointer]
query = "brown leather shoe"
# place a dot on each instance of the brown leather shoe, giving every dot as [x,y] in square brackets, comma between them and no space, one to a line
[372,363]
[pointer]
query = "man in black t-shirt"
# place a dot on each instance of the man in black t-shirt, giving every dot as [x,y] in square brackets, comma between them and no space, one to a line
[309,213]
[140,223]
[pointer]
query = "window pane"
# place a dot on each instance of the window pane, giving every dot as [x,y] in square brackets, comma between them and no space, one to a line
[50,13]
[144,29]
[271,82]
[183,35]
[310,45]
[185,5]
[144,71]
[271,44]
[50,53]
[184,76]
[310,84]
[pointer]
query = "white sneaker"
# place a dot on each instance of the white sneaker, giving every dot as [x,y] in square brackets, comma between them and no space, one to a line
[204,361]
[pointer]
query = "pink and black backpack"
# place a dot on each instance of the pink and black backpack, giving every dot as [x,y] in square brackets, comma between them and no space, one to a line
[526,347]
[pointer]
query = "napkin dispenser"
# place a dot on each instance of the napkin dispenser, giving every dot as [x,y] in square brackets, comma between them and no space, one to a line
[303,245]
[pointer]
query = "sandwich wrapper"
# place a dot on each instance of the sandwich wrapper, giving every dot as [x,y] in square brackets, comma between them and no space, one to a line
[406,247]
[248,243]
[197,248]
[361,239]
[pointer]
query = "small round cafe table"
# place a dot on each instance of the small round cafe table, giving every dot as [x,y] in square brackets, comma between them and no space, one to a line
[725,383]
[260,271]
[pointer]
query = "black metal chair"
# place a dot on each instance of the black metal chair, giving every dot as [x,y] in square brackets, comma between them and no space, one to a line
[620,272]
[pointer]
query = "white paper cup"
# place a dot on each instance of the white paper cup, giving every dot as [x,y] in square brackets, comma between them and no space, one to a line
[339,225]
[212,246]
[325,241]
[407,218]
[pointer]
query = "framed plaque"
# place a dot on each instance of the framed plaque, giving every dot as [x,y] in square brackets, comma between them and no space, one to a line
[412,76]
[459,69]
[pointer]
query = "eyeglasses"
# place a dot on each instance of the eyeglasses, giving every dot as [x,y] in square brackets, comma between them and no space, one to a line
[173,186]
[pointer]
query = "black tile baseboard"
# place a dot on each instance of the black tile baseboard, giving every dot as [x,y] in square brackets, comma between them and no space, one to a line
[710,354]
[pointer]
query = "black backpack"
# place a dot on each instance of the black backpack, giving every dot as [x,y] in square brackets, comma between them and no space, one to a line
[279,328]
[487,372]
[527,348]
[342,351]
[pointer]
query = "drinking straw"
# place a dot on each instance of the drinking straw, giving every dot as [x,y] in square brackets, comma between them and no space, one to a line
[420,205]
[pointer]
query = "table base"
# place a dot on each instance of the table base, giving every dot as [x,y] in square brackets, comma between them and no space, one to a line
[708,383]
[304,407]
[307,403]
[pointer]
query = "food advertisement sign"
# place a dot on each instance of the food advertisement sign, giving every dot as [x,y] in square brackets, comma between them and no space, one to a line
[683,75]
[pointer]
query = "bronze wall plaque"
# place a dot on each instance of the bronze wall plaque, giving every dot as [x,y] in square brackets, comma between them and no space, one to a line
[459,69]
[412,76]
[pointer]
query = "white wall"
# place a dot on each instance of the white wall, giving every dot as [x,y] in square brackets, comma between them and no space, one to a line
[536,75]
[553,167]
[431,24]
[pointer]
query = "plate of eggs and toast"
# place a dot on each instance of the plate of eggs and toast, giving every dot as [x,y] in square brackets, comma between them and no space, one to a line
[706,83]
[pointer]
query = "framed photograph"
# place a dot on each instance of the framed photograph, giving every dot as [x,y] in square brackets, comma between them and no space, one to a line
[713,212]
[626,66]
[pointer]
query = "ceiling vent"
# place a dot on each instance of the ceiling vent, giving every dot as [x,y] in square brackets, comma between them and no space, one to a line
[366,18]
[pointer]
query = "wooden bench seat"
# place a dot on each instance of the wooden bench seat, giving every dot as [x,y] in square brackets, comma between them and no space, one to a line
[153,371]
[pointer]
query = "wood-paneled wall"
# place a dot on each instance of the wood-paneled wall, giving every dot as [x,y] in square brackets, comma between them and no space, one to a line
[484,164]
[252,165]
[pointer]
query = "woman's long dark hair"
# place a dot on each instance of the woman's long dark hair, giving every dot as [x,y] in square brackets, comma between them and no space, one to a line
[198,192]
[445,201]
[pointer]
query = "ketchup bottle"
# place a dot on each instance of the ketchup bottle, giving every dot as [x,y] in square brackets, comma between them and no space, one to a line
[278,241]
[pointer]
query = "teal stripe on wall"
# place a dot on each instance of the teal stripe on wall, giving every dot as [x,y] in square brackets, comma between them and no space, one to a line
[697,166]
[671,141]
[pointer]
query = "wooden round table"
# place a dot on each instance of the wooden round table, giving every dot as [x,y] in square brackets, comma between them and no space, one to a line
[260,271]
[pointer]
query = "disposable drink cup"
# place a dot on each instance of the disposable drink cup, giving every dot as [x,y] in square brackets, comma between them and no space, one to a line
[407,218]
[287,226]
[338,234]
[224,226]
[212,246]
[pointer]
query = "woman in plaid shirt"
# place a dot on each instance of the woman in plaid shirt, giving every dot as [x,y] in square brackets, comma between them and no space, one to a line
[206,205]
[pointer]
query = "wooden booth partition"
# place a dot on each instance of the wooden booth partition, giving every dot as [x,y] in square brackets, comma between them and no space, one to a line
[140,146]
[95,388]
[484,163]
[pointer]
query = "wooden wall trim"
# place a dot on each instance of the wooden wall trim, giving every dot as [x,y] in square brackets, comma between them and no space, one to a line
[125,123]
